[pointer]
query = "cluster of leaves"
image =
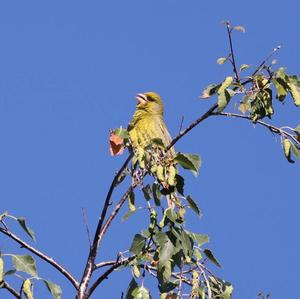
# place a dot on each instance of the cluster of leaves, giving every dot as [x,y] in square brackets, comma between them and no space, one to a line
[255,94]
[23,266]
[172,254]
[166,249]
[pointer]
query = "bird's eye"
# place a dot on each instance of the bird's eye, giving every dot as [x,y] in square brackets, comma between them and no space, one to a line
[150,99]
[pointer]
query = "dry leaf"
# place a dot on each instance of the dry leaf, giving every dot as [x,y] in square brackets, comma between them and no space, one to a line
[116,145]
[240,28]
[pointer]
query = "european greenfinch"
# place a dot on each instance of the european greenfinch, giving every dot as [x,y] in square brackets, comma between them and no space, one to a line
[150,137]
[148,123]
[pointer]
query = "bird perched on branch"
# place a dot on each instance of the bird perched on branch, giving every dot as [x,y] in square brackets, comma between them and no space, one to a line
[148,123]
[150,137]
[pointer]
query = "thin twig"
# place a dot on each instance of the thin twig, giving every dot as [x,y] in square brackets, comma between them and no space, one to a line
[86,226]
[261,65]
[181,124]
[272,128]
[229,31]
[10,289]
[41,255]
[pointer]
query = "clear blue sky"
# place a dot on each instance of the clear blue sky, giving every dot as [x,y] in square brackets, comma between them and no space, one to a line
[69,71]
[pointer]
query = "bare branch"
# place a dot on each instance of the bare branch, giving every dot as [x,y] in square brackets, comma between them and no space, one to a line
[272,128]
[41,255]
[10,289]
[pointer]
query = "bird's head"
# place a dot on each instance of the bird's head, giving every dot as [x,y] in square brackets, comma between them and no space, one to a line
[150,102]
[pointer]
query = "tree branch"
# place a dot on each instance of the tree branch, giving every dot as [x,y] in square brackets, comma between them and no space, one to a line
[10,289]
[237,75]
[272,128]
[115,265]
[208,113]
[101,229]
[41,255]
[93,251]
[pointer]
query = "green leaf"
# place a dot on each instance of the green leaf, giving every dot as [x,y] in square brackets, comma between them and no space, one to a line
[225,84]
[166,249]
[287,149]
[138,244]
[131,287]
[294,88]
[211,257]
[220,288]
[136,271]
[210,90]
[281,88]
[54,289]
[224,98]
[153,221]
[180,184]
[167,287]
[147,192]
[171,215]
[27,229]
[25,263]
[141,293]
[121,133]
[262,105]
[1,269]
[222,60]
[295,150]
[156,193]
[164,272]
[189,161]
[186,244]
[193,205]
[131,201]
[197,254]
[27,289]
[199,238]
[244,67]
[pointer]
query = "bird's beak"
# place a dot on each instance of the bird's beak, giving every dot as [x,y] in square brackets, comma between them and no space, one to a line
[141,98]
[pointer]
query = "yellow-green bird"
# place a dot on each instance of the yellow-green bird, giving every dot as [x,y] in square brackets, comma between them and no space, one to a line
[148,123]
